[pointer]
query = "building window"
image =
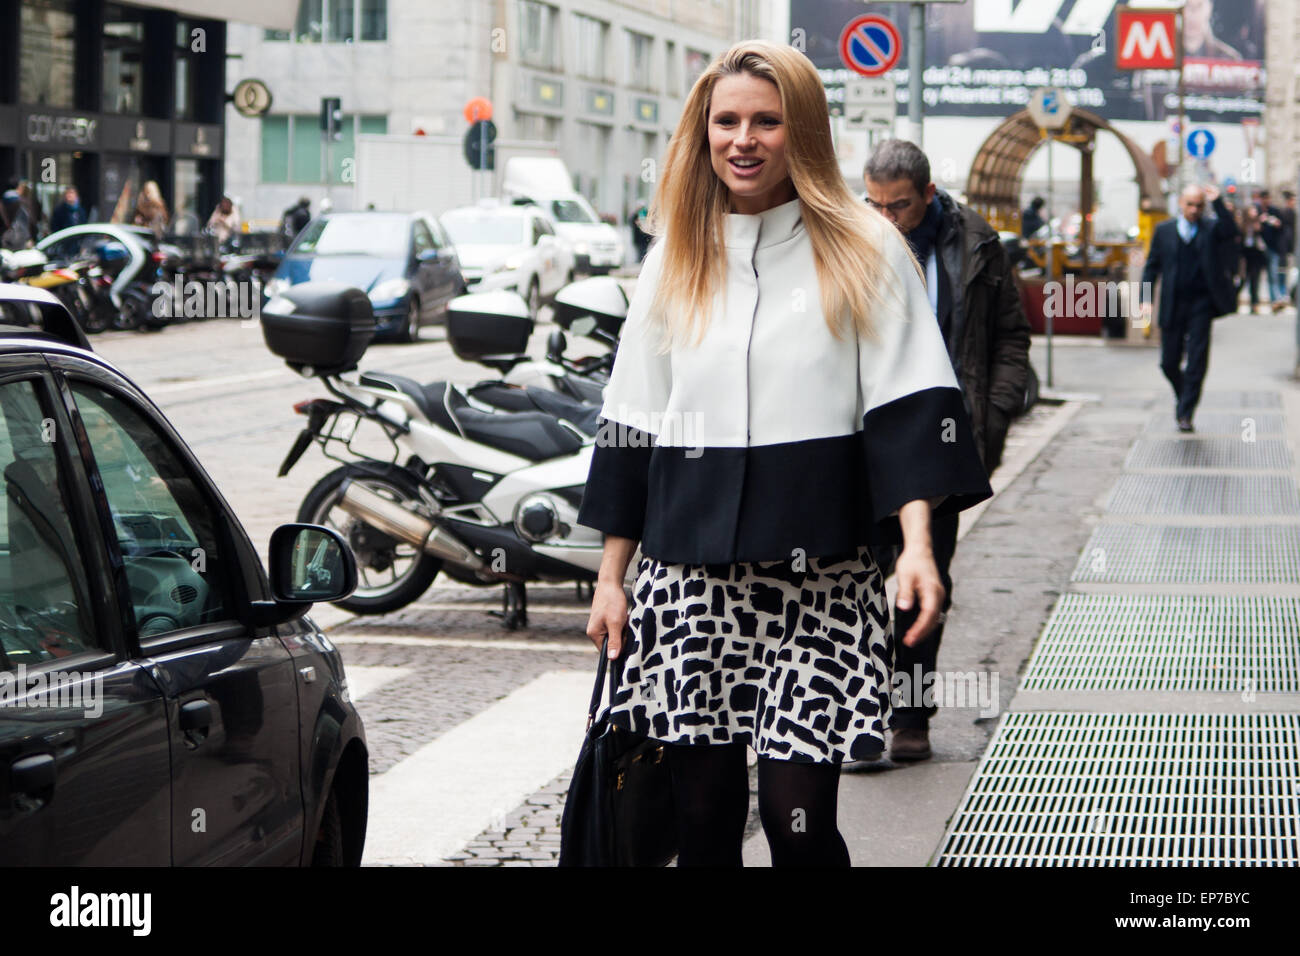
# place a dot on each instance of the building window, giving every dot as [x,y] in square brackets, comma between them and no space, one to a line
[696,63]
[123,59]
[639,72]
[539,38]
[591,38]
[374,20]
[292,147]
[47,53]
[537,128]
[671,86]
[275,149]
[336,21]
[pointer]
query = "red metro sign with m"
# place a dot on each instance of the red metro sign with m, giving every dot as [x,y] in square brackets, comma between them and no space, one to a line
[870,45]
[1146,39]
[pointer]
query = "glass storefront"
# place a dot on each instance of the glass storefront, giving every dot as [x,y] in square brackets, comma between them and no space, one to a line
[123,60]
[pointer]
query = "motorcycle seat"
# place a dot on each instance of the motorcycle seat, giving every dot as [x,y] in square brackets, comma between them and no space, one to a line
[530,399]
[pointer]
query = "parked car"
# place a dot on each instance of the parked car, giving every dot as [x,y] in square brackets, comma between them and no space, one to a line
[403,261]
[162,701]
[510,247]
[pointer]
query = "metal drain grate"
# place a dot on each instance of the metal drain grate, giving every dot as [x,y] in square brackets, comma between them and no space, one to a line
[1074,789]
[1234,400]
[1209,453]
[1227,423]
[1191,555]
[1169,643]
[1205,495]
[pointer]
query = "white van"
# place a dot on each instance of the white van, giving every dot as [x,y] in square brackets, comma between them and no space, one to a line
[545,180]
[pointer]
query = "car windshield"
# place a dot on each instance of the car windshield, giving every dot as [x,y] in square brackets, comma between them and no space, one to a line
[382,236]
[572,210]
[471,229]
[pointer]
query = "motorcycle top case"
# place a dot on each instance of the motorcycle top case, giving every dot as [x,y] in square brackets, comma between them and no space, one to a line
[488,324]
[324,326]
[598,304]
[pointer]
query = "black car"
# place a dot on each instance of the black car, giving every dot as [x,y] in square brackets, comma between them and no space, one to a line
[161,701]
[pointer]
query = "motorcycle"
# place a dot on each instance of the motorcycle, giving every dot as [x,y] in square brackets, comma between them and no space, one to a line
[480,483]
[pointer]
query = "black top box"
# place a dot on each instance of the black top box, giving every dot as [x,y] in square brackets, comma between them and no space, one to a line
[488,324]
[324,326]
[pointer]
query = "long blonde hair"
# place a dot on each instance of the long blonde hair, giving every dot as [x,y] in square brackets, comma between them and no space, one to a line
[690,204]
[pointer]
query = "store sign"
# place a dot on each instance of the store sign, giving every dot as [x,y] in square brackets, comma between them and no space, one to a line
[194,139]
[58,130]
[1147,39]
[135,135]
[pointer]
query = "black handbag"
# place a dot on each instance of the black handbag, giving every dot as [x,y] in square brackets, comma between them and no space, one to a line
[619,809]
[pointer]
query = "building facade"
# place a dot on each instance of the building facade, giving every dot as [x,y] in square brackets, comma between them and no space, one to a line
[1282,106]
[602,80]
[108,96]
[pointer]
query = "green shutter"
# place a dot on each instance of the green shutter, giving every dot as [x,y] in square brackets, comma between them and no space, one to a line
[374,124]
[275,149]
[306,149]
[343,150]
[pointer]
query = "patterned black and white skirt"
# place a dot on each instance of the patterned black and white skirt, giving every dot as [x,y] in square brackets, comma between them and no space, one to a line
[794,663]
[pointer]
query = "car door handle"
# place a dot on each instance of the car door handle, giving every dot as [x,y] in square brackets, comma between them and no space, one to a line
[32,776]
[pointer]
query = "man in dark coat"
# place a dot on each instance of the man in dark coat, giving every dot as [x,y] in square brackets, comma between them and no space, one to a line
[69,212]
[295,219]
[1193,256]
[977,305]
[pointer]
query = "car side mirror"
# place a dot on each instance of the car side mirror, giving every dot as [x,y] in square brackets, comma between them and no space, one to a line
[308,564]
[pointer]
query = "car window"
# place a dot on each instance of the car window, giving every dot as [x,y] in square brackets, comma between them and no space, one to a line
[166,527]
[80,246]
[45,609]
[572,210]
[358,234]
[439,236]
[539,229]
[474,228]
[421,238]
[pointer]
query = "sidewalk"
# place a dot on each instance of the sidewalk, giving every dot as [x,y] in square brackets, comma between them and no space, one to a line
[1133,597]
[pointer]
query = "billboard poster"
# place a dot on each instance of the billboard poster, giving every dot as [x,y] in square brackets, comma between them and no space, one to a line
[985,57]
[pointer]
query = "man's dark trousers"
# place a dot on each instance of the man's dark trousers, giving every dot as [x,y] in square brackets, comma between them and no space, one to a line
[1191,321]
[916,662]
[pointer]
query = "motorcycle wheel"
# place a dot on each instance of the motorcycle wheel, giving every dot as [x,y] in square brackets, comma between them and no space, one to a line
[390,574]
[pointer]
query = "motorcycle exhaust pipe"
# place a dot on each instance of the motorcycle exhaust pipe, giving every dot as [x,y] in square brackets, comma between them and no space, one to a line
[392,519]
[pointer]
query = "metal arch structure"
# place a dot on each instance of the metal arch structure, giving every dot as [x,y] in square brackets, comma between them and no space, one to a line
[993,187]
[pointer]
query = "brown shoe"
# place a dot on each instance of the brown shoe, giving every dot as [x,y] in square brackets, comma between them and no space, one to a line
[910,743]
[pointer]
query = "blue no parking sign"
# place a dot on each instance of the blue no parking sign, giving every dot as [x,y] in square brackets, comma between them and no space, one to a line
[870,45]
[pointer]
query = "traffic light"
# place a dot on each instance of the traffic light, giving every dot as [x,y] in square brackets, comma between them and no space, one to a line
[331,118]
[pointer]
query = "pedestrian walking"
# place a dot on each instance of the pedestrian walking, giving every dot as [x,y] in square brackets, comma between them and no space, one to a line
[640,237]
[1192,256]
[974,299]
[151,209]
[17,222]
[1271,231]
[1031,220]
[781,399]
[294,219]
[1253,258]
[224,221]
[68,213]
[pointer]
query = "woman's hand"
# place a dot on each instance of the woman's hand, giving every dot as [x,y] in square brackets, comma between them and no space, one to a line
[916,573]
[918,578]
[608,616]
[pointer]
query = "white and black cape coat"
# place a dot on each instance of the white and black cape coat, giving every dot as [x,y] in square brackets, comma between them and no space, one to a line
[772,439]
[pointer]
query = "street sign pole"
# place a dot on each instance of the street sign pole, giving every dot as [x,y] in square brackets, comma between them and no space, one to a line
[915,67]
[1182,115]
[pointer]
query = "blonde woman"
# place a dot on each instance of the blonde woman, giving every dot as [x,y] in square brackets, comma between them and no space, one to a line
[150,209]
[781,398]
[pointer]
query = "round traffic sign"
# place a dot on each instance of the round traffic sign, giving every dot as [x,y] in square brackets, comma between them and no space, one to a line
[1200,143]
[870,45]
[478,108]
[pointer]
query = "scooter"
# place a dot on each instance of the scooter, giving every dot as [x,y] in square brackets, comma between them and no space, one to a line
[486,495]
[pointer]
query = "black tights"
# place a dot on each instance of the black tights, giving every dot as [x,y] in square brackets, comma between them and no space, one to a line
[796,801]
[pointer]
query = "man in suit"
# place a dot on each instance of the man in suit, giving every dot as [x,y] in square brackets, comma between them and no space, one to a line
[1193,256]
